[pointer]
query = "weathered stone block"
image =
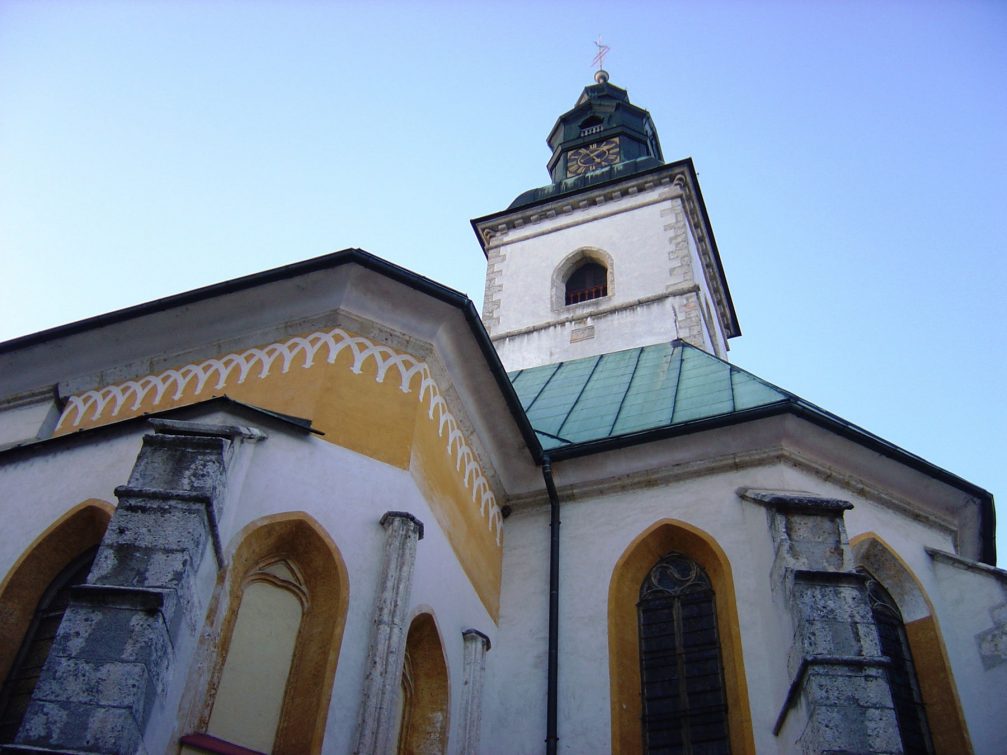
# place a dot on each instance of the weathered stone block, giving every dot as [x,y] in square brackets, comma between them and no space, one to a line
[170,571]
[141,566]
[181,462]
[835,685]
[81,728]
[161,525]
[109,634]
[850,729]
[117,685]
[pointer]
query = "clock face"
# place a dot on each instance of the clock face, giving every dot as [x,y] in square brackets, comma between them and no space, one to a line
[593,156]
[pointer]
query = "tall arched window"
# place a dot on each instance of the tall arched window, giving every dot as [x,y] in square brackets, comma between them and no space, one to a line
[253,682]
[33,597]
[681,673]
[423,703]
[644,586]
[909,710]
[279,636]
[944,717]
[589,281]
[23,676]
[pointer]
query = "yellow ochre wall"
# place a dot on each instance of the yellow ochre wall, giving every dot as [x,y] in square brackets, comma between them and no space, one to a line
[364,396]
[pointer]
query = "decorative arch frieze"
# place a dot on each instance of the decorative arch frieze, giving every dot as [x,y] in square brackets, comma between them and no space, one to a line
[215,376]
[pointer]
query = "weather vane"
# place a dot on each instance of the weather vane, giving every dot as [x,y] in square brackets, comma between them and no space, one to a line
[599,58]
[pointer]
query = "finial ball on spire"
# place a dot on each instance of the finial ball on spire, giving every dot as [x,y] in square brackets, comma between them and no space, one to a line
[601,76]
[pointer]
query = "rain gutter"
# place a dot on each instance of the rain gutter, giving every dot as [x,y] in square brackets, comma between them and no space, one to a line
[552,689]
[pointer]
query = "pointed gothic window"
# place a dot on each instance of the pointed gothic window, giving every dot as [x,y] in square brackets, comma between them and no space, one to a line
[589,281]
[259,657]
[684,706]
[909,710]
[423,705]
[20,683]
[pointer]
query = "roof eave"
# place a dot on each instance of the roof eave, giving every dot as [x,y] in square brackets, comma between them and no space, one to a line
[820,418]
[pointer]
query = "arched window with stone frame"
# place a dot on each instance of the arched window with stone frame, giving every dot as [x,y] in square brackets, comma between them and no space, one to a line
[586,275]
[17,689]
[681,671]
[910,713]
[423,705]
[279,630]
[33,598]
[704,580]
[903,597]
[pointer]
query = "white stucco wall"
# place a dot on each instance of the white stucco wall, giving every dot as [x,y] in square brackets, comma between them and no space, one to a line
[653,253]
[345,492]
[595,532]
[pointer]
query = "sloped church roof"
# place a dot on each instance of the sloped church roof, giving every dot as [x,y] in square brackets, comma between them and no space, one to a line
[626,392]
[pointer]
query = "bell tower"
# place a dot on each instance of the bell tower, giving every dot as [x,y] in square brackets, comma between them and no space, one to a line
[616,252]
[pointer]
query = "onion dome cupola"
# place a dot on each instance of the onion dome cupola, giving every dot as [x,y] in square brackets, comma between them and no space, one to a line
[603,137]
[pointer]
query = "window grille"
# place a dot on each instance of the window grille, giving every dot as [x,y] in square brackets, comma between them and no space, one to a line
[589,281]
[684,706]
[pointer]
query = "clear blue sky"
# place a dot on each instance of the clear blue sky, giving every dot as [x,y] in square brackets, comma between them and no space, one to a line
[853,156]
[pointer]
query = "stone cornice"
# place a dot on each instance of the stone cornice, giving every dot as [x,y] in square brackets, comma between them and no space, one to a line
[599,312]
[571,493]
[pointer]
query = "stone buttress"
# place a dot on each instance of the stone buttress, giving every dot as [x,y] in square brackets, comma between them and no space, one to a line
[112,659]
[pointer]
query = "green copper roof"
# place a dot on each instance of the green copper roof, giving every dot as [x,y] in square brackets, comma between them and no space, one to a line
[631,391]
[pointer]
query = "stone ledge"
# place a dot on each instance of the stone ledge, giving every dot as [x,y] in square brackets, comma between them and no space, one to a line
[466,633]
[794,502]
[961,562]
[388,515]
[192,442]
[182,427]
[582,314]
[809,662]
[137,598]
[161,494]
[16,748]
[833,577]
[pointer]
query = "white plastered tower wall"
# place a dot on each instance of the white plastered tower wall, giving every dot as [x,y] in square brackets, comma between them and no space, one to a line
[664,281]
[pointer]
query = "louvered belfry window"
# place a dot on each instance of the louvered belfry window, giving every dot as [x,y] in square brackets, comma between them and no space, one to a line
[589,281]
[909,710]
[684,707]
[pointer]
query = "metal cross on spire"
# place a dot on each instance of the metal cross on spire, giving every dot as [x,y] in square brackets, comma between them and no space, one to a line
[599,58]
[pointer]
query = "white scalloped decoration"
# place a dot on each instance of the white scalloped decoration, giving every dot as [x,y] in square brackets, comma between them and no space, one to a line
[256,363]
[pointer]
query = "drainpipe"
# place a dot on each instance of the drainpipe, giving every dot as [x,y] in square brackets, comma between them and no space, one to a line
[552,692]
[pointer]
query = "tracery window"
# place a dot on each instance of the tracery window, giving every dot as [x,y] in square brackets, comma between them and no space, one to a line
[909,710]
[24,673]
[589,281]
[681,672]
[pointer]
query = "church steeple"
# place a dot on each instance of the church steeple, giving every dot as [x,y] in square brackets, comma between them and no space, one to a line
[604,136]
[615,253]
[603,129]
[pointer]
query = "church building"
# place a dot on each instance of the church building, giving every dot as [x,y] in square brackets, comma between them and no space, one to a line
[331,508]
